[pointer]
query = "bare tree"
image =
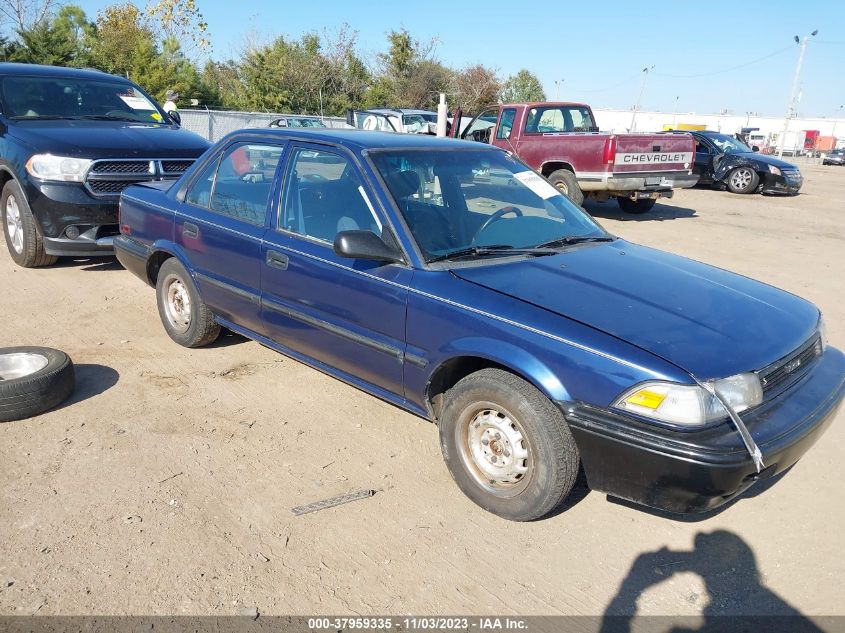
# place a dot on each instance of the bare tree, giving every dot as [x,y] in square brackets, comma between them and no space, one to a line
[22,15]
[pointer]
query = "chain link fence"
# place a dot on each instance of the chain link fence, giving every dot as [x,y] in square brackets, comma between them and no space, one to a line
[215,124]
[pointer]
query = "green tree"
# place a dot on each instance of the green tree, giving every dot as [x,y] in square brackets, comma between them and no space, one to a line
[410,76]
[60,40]
[524,86]
[476,87]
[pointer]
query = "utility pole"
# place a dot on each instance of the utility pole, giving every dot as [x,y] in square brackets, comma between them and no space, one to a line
[675,111]
[640,96]
[790,109]
[558,83]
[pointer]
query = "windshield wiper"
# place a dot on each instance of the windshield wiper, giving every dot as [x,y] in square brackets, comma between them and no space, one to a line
[42,117]
[106,117]
[569,240]
[496,249]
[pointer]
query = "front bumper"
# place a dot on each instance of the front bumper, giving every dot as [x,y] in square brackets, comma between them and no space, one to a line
[689,472]
[57,206]
[779,184]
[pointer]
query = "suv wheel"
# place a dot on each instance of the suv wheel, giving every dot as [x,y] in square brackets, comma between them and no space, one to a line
[186,318]
[567,184]
[507,446]
[22,236]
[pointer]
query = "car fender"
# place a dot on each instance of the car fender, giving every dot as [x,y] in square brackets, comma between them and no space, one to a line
[509,356]
[174,250]
[722,165]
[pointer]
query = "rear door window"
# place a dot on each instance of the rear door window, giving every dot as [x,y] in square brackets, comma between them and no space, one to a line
[244,179]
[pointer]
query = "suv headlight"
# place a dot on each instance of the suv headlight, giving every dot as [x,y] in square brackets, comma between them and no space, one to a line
[775,170]
[691,406]
[57,168]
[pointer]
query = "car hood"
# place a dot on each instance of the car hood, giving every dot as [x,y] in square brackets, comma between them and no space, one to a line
[707,321]
[766,159]
[109,139]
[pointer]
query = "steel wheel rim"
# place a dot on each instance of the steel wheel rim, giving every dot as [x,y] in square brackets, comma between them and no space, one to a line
[21,364]
[495,449]
[177,303]
[563,188]
[14,225]
[741,178]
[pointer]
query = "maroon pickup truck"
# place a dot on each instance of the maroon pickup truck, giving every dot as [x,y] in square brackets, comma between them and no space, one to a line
[563,143]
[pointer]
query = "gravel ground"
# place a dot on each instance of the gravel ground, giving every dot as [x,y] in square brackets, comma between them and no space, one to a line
[165,485]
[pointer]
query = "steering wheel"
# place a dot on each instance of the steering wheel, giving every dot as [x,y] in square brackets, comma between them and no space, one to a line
[495,218]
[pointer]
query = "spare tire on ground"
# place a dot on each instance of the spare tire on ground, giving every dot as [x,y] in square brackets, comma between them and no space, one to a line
[33,380]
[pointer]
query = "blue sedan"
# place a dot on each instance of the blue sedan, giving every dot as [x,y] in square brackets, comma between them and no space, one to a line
[451,280]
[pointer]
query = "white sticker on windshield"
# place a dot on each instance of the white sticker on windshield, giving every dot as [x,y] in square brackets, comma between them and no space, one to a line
[537,184]
[137,103]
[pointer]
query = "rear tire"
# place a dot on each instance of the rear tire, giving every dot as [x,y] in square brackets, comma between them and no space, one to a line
[565,182]
[185,316]
[742,180]
[507,446]
[635,206]
[33,380]
[22,236]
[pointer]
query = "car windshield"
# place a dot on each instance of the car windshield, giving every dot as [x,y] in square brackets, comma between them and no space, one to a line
[729,144]
[77,98]
[457,200]
[305,123]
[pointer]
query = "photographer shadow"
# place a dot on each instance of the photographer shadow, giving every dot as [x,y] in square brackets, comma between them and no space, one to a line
[738,601]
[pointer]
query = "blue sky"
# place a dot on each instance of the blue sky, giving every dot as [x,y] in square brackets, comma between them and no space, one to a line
[702,52]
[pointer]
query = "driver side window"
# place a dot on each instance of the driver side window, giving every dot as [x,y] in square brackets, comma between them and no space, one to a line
[479,130]
[701,148]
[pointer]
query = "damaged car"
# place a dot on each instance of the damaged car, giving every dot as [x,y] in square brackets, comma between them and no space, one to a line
[539,343]
[724,161]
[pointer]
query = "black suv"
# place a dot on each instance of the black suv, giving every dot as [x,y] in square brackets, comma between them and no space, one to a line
[70,141]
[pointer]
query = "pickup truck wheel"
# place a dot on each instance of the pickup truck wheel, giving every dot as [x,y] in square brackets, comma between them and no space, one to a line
[22,237]
[507,446]
[742,180]
[566,183]
[635,206]
[33,380]
[186,318]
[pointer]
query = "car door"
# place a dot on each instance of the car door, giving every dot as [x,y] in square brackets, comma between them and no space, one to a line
[703,165]
[348,314]
[220,227]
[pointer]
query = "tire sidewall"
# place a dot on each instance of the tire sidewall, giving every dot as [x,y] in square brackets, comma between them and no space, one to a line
[636,208]
[12,188]
[567,178]
[39,391]
[538,497]
[173,267]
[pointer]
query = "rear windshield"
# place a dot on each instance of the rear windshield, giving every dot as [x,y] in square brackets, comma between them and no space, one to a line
[550,119]
[72,98]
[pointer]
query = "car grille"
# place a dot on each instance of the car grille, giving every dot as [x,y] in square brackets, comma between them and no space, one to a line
[792,174]
[111,176]
[785,372]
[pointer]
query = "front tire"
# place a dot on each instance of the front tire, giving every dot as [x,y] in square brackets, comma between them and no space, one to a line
[565,182]
[22,237]
[507,446]
[635,206]
[186,318]
[742,180]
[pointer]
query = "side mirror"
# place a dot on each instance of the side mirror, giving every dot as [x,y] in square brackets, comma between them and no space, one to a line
[754,148]
[365,245]
[175,117]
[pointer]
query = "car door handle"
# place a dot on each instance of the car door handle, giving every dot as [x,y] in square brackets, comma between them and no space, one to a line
[190,230]
[277,260]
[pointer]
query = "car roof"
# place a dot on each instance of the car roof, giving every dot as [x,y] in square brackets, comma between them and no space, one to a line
[536,104]
[361,139]
[37,70]
[400,111]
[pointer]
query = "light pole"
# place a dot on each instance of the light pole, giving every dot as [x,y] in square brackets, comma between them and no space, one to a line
[790,109]
[558,83]
[675,111]
[640,96]
[835,121]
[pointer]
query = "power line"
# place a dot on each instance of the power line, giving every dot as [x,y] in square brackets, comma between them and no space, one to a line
[728,70]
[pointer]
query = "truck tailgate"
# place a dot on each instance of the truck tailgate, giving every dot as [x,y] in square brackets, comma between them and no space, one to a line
[653,153]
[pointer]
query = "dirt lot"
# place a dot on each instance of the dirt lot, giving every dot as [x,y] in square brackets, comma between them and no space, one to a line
[165,485]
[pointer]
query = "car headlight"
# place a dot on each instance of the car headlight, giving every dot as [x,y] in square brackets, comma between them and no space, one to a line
[775,170]
[57,168]
[691,406]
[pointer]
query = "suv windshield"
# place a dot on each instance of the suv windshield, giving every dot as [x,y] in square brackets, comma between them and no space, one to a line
[77,98]
[453,200]
[729,144]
